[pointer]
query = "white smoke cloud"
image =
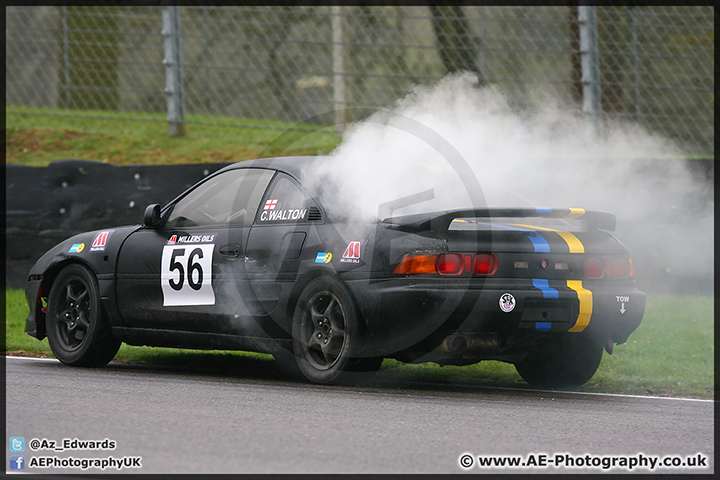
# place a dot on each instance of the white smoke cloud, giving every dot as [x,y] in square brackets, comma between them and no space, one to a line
[548,156]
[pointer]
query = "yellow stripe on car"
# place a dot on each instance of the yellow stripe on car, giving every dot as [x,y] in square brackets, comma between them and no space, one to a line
[574,243]
[586,305]
[575,213]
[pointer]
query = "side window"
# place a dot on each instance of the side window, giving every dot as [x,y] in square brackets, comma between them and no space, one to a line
[284,203]
[231,198]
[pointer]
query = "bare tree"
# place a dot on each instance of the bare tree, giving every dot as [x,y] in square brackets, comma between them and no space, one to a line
[457,47]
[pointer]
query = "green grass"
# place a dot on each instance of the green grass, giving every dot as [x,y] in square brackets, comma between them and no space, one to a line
[36,137]
[671,354]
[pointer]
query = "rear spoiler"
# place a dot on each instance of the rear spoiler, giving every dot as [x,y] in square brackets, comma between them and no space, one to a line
[439,222]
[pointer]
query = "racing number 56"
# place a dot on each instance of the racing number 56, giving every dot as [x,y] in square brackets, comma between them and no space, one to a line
[192,267]
[186,279]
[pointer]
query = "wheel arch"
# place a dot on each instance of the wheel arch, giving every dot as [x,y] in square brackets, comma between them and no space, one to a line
[49,276]
[304,280]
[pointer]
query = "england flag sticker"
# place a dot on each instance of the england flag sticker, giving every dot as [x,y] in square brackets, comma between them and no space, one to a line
[270,205]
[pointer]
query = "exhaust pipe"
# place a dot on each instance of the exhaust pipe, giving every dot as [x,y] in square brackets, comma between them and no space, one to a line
[453,344]
[468,343]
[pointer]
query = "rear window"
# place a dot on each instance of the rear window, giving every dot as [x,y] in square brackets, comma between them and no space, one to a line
[285,202]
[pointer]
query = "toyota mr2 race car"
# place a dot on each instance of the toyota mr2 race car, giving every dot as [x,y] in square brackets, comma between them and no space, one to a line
[249,259]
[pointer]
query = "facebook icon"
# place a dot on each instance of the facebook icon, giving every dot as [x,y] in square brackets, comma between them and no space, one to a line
[17,462]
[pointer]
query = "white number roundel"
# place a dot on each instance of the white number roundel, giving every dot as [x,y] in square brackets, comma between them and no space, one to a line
[186,275]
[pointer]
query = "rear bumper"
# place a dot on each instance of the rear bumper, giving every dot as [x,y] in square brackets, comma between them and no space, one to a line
[419,313]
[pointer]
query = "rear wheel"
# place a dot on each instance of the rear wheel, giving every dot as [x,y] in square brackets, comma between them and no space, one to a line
[77,330]
[563,361]
[327,334]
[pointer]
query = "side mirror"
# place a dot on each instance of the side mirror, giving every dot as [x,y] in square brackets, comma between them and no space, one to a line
[152,216]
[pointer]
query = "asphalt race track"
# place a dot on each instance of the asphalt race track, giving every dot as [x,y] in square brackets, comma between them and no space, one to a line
[229,422]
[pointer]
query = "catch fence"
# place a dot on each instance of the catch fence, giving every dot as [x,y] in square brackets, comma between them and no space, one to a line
[312,67]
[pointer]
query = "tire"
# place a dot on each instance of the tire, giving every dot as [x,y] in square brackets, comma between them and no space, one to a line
[77,328]
[326,333]
[564,361]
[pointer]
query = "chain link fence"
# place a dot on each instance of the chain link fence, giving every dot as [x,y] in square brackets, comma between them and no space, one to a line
[255,67]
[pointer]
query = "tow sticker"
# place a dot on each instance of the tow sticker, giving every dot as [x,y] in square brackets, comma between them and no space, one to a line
[622,300]
[186,271]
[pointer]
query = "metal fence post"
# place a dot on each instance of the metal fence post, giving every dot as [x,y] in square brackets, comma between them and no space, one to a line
[590,65]
[338,66]
[636,62]
[65,96]
[173,71]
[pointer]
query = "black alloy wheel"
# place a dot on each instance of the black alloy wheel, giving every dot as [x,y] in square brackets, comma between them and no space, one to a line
[77,330]
[327,334]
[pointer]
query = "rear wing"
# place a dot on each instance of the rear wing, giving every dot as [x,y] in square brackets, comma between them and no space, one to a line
[439,222]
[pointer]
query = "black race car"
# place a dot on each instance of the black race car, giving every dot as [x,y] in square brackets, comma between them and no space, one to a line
[249,259]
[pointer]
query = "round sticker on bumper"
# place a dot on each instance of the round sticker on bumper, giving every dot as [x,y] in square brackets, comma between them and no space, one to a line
[507,302]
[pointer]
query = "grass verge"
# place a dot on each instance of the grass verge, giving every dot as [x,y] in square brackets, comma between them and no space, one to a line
[37,137]
[671,354]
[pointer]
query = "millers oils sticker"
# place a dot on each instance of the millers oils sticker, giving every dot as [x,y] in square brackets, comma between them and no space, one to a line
[352,253]
[100,242]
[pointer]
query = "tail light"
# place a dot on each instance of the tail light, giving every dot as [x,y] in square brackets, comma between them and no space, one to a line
[415,264]
[485,264]
[593,267]
[621,267]
[448,264]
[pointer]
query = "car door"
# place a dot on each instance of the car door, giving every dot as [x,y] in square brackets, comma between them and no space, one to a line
[189,274]
[278,243]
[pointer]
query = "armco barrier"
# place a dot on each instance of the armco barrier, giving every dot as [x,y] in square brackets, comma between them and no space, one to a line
[45,205]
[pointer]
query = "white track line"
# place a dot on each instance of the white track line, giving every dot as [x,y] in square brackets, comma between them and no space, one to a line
[549,392]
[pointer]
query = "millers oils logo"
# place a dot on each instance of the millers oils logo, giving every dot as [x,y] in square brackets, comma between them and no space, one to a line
[98,245]
[352,253]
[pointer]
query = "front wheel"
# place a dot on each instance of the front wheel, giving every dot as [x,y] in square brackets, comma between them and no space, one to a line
[563,361]
[77,330]
[327,333]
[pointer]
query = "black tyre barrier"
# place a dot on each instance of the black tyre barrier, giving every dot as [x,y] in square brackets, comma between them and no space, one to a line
[46,205]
